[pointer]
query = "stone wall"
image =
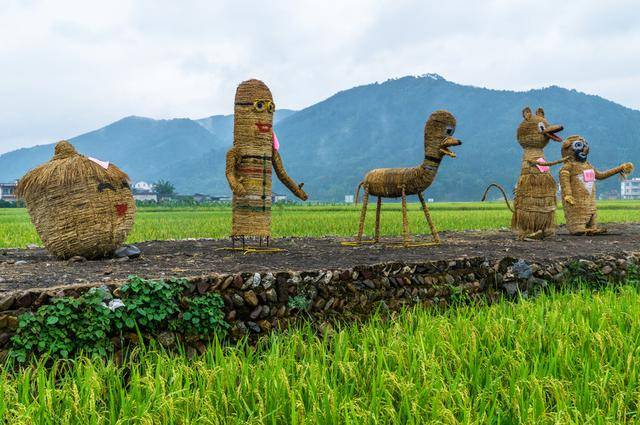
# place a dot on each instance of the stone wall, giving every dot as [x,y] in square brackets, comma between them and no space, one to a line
[257,303]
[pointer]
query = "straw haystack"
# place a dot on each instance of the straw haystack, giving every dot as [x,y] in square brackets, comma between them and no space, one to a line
[79,206]
[578,184]
[251,159]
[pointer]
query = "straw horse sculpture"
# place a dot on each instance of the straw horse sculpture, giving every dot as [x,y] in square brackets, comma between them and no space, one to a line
[402,182]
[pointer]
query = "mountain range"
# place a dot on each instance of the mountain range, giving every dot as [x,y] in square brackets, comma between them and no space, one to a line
[330,145]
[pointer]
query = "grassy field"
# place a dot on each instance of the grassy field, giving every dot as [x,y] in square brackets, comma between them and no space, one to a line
[563,358]
[306,220]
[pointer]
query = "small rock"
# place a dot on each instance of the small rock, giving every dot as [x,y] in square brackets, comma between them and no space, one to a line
[254,327]
[251,298]
[268,280]
[202,287]
[522,269]
[369,284]
[511,288]
[7,302]
[4,339]
[11,323]
[231,316]
[167,339]
[256,280]
[237,281]
[237,300]
[77,259]
[607,270]
[226,282]
[272,295]
[255,313]
[32,246]
[128,251]
[21,262]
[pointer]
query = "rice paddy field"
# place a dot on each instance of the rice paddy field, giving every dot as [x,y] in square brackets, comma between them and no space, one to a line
[155,223]
[564,358]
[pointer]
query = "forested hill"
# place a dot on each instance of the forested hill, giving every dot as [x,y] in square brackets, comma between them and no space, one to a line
[330,145]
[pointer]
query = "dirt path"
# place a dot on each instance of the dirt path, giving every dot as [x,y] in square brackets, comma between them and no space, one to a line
[24,269]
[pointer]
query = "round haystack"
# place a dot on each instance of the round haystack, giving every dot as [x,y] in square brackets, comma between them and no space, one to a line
[79,206]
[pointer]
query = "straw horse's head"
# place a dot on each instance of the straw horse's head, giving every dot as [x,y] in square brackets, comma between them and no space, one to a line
[438,135]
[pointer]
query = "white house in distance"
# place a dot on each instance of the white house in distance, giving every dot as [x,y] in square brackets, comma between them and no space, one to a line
[143,191]
[8,191]
[630,189]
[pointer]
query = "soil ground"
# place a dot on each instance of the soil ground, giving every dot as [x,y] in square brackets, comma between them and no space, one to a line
[25,269]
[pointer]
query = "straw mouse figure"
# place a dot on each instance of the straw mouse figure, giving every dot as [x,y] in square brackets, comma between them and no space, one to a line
[250,162]
[578,186]
[535,193]
[402,182]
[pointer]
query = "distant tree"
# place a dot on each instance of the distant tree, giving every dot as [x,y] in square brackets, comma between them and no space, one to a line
[164,189]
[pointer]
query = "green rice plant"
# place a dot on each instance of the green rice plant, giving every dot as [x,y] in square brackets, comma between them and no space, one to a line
[568,358]
[162,223]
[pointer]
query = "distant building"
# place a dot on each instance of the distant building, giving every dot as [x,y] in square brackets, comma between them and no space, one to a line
[144,192]
[630,189]
[348,199]
[143,186]
[8,191]
[276,197]
[200,198]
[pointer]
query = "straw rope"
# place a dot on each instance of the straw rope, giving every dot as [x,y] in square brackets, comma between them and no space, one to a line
[77,206]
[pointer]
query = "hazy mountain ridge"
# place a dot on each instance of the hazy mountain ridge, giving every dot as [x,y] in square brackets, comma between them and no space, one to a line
[330,145]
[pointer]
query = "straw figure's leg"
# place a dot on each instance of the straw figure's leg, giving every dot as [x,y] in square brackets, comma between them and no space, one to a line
[592,226]
[376,238]
[363,213]
[405,221]
[425,208]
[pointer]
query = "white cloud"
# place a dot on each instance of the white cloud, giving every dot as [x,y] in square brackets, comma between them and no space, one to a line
[72,66]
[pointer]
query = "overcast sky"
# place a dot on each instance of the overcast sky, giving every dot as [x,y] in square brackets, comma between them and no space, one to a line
[67,67]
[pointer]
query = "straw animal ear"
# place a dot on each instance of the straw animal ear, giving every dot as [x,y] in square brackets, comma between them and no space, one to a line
[540,112]
[526,113]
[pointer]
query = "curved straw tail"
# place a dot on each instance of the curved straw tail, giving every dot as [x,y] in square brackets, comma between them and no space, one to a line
[358,193]
[501,189]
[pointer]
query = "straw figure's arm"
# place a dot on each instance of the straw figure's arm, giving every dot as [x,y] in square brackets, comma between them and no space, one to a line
[549,164]
[296,189]
[233,161]
[625,168]
[565,185]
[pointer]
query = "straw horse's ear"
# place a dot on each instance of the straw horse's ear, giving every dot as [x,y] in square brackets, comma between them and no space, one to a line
[526,113]
[540,112]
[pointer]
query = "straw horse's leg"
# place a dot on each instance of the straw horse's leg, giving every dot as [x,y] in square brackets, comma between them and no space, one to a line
[363,213]
[376,239]
[425,208]
[405,221]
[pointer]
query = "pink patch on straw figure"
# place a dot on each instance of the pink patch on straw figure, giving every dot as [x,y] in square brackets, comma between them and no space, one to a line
[276,144]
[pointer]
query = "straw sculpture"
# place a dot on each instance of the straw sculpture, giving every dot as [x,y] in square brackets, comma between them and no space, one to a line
[79,206]
[250,162]
[402,182]
[535,193]
[578,188]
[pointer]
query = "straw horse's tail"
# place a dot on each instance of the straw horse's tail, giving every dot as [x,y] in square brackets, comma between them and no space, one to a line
[358,192]
[500,188]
